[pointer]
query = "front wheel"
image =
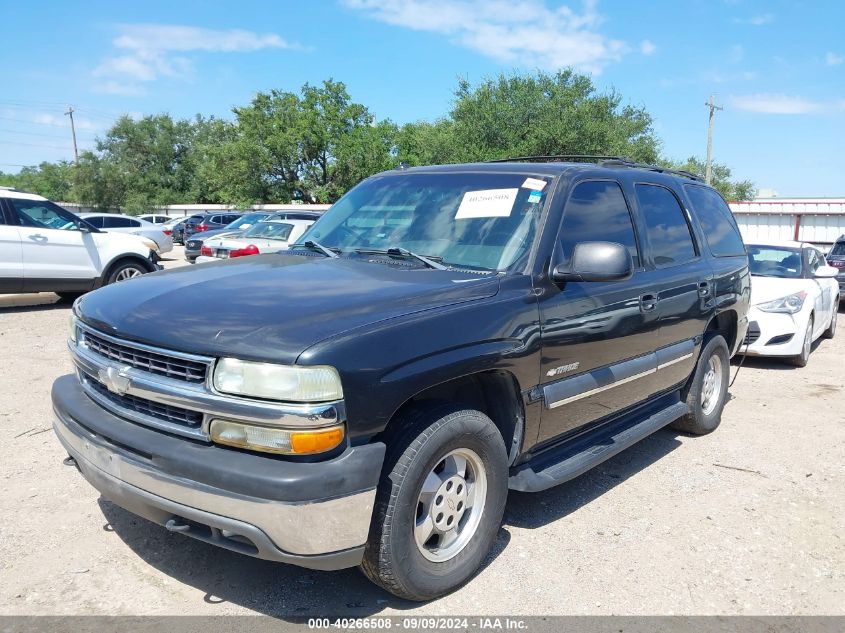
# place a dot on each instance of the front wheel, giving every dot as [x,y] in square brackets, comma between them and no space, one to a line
[707,392]
[830,332]
[439,504]
[125,271]
[803,358]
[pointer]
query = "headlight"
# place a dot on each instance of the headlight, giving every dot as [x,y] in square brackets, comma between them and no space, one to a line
[72,323]
[789,304]
[290,383]
[270,439]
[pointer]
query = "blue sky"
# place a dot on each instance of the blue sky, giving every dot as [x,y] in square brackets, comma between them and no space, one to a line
[778,68]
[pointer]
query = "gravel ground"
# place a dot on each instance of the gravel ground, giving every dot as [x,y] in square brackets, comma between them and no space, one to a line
[748,520]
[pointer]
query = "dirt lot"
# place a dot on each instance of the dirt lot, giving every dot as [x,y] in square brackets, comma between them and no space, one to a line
[748,520]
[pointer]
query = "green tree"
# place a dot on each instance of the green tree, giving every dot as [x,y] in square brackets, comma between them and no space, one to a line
[547,114]
[51,180]
[730,189]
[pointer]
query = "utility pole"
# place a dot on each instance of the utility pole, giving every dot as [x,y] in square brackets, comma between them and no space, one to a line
[708,168]
[73,132]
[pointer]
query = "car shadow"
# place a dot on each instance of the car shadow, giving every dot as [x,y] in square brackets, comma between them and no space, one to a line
[772,362]
[33,302]
[288,592]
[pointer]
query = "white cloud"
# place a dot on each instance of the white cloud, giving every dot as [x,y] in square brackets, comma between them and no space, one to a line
[757,20]
[151,51]
[519,32]
[647,47]
[832,59]
[783,104]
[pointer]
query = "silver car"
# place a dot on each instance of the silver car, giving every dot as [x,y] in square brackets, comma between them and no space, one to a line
[114,222]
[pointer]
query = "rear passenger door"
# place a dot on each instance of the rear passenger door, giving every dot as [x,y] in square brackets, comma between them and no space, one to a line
[680,292]
[11,262]
[597,341]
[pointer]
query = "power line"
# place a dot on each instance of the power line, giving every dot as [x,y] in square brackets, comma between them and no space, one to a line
[28,133]
[64,147]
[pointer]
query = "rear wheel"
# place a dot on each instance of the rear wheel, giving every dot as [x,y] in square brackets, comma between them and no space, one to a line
[440,502]
[707,393]
[804,357]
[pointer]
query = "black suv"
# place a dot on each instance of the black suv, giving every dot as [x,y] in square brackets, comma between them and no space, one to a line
[440,336]
[836,258]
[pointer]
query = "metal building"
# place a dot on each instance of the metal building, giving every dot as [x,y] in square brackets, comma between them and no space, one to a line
[817,220]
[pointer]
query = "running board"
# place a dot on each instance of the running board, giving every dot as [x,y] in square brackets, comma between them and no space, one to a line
[589,450]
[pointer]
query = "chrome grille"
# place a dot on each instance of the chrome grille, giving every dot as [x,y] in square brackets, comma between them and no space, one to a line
[146,360]
[163,412]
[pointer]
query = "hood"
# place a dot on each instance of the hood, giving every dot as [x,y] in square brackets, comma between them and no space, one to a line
[270,307]
[769,288]
[129,240]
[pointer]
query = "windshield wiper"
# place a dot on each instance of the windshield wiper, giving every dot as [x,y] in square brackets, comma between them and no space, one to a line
[316,246]
[395,251]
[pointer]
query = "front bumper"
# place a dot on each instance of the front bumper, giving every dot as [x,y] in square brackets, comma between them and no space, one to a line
[774,333]
[314,515]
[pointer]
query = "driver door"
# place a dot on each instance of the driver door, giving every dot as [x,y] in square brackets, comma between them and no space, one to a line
[52,245]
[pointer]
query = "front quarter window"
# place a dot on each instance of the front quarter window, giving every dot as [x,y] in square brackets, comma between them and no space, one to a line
[475,220]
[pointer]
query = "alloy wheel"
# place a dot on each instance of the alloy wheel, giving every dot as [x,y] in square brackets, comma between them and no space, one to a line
[450,505]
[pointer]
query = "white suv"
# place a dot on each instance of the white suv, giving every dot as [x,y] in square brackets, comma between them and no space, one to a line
[44,248]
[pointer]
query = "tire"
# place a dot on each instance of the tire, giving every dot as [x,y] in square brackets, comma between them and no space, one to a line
[804,357]
[707,393]
[125,270]
[414,497]
[830,332]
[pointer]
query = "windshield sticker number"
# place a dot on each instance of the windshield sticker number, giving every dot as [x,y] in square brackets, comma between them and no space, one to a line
[534,197]
[534,183]
[489,203]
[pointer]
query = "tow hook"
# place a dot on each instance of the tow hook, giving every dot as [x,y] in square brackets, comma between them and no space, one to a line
[173,526]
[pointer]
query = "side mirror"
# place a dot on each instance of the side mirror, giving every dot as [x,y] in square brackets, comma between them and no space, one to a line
[596,261]
[826,271]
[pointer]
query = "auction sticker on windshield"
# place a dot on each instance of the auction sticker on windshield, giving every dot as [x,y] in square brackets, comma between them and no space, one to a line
[489,203]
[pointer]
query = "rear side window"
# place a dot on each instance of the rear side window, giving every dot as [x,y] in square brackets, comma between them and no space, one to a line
[717,221]
[668,230]
[597,211]
[838,250]
[95,221]
[116,223]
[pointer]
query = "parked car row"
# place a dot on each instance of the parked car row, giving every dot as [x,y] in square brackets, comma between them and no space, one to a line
[193,245]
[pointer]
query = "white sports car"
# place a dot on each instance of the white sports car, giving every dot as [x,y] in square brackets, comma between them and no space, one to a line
[263,237]
[794,300]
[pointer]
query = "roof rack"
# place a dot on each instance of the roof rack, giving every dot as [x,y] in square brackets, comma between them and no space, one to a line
[625,162]
[603,161]
[557,158]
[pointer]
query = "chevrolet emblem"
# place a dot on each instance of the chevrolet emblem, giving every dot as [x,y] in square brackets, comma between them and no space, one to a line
[114,380]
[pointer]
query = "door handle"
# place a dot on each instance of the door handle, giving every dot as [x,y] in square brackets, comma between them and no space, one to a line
[37,237]
[703,288]
[648,302]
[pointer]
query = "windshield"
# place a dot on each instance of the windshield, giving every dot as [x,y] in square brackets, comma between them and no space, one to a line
[838,250]
[270,231]
[246,221]
[475,220]
[774,261]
